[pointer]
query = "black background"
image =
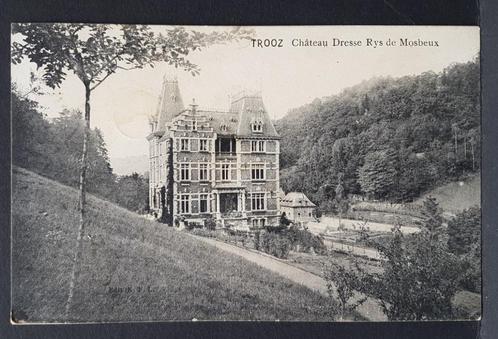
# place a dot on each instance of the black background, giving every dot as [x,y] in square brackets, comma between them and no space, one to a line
[259,12]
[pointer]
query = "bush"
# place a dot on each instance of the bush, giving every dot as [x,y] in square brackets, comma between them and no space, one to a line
[464,241]
[304,241]
[275,244]
[210,224]
[256,240]
[464,230]
[204,232]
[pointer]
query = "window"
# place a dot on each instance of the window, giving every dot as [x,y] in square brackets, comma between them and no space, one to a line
[258,171]
[258,201]
[257,127]
[184,145]
[203,203]
[184,172]
[257,146]
[184,203]
[225,172]
[203,145]
[203,172]
[258,223]
[194,125]
[226,145]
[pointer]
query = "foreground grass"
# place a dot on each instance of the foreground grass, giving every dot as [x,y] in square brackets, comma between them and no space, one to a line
[132,268]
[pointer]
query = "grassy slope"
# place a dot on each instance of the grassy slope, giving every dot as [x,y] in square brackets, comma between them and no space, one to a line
[179,277]
[457,196]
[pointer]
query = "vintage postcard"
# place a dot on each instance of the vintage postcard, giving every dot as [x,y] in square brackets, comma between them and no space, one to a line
[311,173]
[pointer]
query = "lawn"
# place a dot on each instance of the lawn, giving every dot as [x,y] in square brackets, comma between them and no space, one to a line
[133,268]
[457,196]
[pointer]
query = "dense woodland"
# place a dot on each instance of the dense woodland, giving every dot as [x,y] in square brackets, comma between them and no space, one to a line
[52,147]
[387,139]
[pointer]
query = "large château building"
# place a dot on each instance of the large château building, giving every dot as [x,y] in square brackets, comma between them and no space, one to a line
[211,163]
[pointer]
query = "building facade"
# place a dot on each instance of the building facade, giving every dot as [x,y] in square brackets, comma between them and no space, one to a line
[297,207]
[214,164]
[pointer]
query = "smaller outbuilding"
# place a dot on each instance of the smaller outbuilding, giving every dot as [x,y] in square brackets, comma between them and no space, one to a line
[297,207]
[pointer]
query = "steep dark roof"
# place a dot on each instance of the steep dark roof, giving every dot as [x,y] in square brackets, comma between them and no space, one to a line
[170,104]
[222,122]
[251,109]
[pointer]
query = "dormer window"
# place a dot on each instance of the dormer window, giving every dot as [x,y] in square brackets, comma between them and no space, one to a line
[257,126]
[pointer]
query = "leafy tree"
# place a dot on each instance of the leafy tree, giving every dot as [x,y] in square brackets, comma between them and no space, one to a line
[420,276]
[342,283]
[95,52]
[464,235]
[30,134]
[342,204]
[377,175]
[133,192]
[464,230]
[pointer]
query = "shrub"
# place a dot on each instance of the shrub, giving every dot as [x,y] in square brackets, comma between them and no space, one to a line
[420,276]
[210,224]
[256,240]
[464,230]
[203,232]
[275,244]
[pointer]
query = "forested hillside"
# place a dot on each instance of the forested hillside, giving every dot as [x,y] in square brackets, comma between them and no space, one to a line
[387,138]
[53,148]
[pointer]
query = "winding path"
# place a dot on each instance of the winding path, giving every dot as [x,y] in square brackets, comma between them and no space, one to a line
[370,309]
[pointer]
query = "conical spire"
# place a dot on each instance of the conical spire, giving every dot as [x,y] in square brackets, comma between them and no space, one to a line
[170,103]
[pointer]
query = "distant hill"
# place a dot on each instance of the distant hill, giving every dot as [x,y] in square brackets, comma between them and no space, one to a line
[128,165]
[133,268]
[387,139]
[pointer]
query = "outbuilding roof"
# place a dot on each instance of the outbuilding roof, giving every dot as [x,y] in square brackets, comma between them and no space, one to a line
[296,199]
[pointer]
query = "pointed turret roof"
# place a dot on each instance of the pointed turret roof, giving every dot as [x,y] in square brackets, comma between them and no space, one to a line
[251,109]
[170,103]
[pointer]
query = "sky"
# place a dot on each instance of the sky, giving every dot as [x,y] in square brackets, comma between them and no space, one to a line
[288,76]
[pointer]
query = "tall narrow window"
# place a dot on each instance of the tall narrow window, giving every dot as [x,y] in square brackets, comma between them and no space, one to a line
[225,172]
[203,203]
[184,144]
[203,145]
[184,203]
[257,223]
[194,125]
[258,171]
[184,172]
[203,172]
[257,201]
[257,146]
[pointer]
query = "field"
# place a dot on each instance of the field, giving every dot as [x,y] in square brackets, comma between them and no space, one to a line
[457,196]
[133,268]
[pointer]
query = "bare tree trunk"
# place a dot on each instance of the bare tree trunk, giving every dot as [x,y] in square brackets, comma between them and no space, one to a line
[82,202]
[473,156]
[456,146]
[465,148]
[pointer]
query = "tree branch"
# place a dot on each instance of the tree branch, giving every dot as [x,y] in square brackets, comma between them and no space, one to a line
[101,80]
